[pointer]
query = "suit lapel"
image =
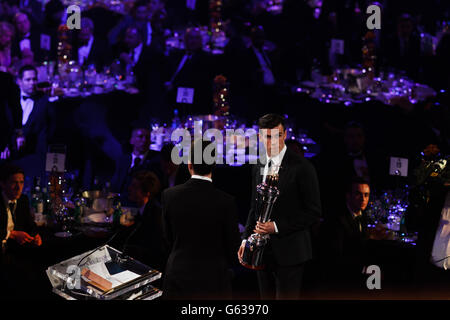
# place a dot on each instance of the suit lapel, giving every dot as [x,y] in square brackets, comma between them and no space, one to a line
[283,172]
[35,113]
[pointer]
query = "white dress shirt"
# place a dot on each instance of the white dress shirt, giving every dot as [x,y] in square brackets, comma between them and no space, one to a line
[25,43]
[133,157]
[27,107]
[10,223]
[276,162]
[83,52]
[137,53]
[195,176]
[275,167]
[441,246]
[149,34]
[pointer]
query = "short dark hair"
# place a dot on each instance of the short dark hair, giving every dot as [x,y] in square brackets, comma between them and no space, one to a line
[148,182]
[8,170]
[27,67]
[355,180]
[270,121]
[201,168]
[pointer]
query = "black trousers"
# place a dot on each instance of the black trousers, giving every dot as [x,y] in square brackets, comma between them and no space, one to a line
[280,282]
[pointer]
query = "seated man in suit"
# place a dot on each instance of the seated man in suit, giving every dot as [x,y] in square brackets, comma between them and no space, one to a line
[18,233]
[88,49]
[194,69]
[26,43]
[17,224]
[343,239]
[293,214]
[201,227]
[142,237]
[140,158]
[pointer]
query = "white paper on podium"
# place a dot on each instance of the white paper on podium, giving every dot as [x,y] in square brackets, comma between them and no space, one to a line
[116,279]
[398,167]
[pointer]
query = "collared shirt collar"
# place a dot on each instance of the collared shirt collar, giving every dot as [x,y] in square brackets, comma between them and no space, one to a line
[22,94]
[89,44]
[6,200]
[142,156]
[195,176]
[276,160]
[354,214]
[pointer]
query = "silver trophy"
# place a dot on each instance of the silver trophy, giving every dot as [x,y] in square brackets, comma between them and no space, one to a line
[268,193]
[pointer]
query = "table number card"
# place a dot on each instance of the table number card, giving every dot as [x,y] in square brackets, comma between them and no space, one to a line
[337,46]
[398,167]
[45,42]
[55,160]
[185,95]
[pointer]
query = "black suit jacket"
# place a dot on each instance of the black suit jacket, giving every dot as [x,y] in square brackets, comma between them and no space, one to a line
[35,42]
[23,219]
[99,55]
[343,248]
[254,73]
[201,228]
[198,73]
[144,240]
[295,211]
[40,126]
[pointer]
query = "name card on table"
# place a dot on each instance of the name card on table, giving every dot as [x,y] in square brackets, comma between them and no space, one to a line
[337,46]
[398,167]
[45,42]
[185,95]
[55,161]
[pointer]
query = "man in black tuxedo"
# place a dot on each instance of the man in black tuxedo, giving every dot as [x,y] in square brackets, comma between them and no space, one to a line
[89,49]
[192,68]
[142,237]
[34,124]
[18,233]
[201,227]
[146,63]
[295,211]
[343,239]
[403,48]
[139,159]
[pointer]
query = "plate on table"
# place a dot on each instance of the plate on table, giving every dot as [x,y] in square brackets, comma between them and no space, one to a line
[97,218]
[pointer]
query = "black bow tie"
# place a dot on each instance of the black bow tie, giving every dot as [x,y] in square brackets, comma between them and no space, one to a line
[27,97]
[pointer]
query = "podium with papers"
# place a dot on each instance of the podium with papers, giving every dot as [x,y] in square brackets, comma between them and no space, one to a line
[103,274]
